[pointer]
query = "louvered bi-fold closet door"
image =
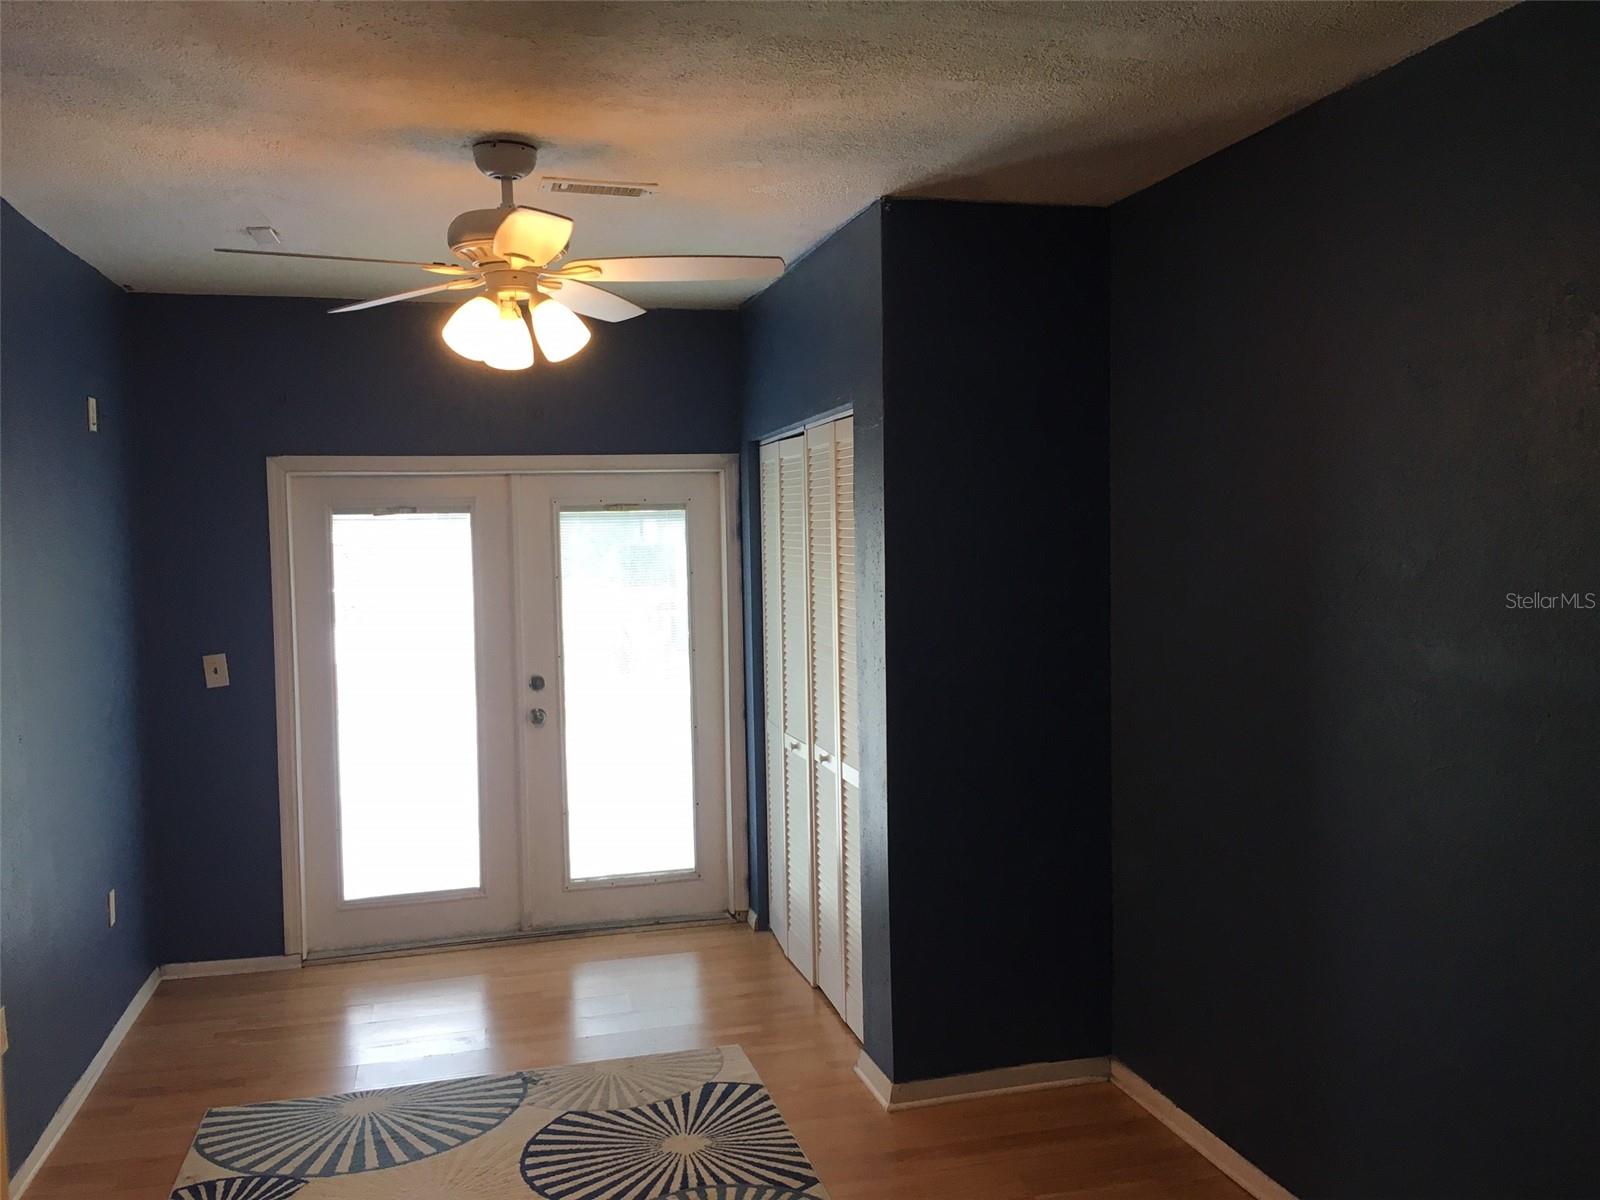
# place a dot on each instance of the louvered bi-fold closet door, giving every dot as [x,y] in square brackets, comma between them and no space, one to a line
[849,753]
[772,701]
[809,652]
[793,685]
[823,604]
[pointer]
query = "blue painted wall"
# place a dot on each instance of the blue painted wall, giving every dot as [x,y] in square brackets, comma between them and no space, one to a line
[222,383]
[813,345]
[981,518]
[71,826]
[813,341]
[1357,798]
[996,657]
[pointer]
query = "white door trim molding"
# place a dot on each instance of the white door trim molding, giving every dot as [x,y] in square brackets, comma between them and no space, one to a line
[500,464]
[281,473]
[288,716]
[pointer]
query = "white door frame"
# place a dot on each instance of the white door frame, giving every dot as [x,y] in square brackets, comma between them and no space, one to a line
[281,474]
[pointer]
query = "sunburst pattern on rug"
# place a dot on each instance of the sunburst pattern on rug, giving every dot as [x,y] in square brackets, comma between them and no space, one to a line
[722,1133]
[622,1082]
[486,1168]
[690,1125]
[357,1131]
[241,1187]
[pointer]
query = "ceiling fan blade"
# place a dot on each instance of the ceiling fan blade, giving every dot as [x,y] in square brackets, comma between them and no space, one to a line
[591,301]
[455,285]
[533,235]
[438,268]
[672,268]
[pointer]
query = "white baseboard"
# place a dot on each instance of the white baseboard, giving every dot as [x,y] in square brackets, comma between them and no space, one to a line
[1032,1077]
[231,966]
[80,1090]
[1221,1155]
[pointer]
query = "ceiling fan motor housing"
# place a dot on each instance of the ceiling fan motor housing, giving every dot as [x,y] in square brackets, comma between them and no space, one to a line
[471,234]
[504,158]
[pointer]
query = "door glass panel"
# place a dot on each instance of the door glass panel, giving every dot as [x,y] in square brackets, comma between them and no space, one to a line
[626,692]
[406,683]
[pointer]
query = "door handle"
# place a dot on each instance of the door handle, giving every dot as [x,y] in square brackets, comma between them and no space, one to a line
[793,743]
[536,716]
[823,756]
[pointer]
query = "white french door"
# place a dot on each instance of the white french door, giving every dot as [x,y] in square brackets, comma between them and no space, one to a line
[509,701]
[622,620]
[403,624]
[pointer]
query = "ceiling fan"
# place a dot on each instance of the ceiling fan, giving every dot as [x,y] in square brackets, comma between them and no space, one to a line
[510,253]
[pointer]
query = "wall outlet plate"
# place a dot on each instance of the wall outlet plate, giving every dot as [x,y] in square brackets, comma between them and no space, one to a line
[111,908]
[216,669]
[94,415]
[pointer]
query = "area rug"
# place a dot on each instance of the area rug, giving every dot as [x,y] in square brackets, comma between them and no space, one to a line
[696,1125]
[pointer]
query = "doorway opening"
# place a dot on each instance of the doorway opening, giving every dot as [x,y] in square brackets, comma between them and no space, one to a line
[507,697]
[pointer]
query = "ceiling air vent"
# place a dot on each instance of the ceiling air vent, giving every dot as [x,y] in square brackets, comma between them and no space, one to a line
[597,187]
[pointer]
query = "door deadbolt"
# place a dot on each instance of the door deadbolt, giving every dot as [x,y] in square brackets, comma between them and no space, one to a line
[536,715]
[537,683]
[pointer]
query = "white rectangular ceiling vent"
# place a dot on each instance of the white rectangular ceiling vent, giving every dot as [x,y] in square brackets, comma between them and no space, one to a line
[597,187]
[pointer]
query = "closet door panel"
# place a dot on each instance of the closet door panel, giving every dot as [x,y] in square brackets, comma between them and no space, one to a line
[810,705]
[849,738]
[822,595]
[772,698]
[796,712]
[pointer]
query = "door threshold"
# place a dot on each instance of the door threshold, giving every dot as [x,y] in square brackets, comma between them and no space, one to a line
[559,933]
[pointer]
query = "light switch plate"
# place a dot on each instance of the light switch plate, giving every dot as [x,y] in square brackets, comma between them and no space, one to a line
[216,667]
[94,415]
[111,907]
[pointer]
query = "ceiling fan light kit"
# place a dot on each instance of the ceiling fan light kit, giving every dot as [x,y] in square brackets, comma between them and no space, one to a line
[511,254]
[490,333]
[558,330]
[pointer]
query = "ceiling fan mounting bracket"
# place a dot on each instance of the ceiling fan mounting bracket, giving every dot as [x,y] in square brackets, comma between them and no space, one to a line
[504,158]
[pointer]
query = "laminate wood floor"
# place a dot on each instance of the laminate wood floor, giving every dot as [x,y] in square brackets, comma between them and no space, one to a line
[342,1026]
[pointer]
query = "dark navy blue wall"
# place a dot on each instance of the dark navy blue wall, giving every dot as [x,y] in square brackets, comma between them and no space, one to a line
[997,659]
[981,518]
[813,341]
[1357,797]
[70,821]
[222,383]
[813,345]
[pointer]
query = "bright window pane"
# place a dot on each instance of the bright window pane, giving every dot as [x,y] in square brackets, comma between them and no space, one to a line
[407,703]
[625,672]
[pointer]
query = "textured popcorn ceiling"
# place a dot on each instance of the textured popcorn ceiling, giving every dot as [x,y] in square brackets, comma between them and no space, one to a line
[142,134]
